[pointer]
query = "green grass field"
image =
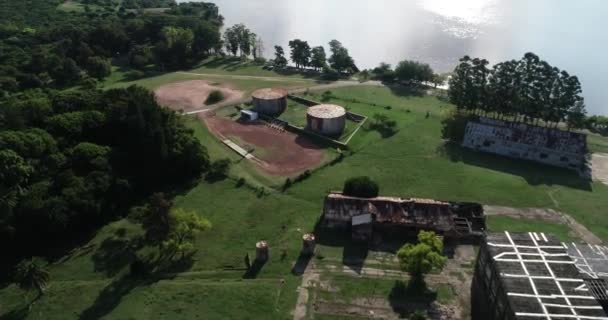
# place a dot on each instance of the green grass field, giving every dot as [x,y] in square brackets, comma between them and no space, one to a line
[413,162]
[242,75]
[499,224]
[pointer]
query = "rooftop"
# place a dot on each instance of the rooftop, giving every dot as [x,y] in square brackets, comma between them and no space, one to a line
[269,93]
[326,111]
[540,279]
[339,195]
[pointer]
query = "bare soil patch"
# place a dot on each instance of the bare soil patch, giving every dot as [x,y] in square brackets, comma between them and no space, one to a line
[190,95]
[277,152]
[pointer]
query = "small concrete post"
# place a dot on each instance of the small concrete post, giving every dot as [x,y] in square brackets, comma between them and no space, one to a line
[308,244]
[261,251]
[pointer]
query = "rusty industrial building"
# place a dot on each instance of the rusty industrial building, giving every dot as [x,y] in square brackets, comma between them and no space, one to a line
[401,217]
[523,141]
[535,276]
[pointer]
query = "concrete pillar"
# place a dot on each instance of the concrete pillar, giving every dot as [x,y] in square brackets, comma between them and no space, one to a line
[308,244]
[261,251]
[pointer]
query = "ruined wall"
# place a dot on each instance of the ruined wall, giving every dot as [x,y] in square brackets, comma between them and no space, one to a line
[339,210]
[517,140]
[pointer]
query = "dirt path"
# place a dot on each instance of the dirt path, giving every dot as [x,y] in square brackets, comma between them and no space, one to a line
[245,99]
[549,215]
[192,94]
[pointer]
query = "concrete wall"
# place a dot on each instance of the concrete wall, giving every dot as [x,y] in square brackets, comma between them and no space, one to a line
[549,146]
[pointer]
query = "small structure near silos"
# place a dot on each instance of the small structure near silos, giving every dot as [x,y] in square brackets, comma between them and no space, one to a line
[261,251]
[248,115]
[392,215]
[270,101]
[326,119]
[535,276]
[308,244]
[523,141]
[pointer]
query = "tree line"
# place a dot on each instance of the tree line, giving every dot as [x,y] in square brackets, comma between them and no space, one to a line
[305,56]
[528,90]
[407,71]
[43,47]
[71,161]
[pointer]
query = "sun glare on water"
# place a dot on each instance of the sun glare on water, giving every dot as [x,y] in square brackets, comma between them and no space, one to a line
[462,18]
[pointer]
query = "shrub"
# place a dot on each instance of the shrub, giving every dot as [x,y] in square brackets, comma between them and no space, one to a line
[418,315]
[138,267]
[305,175]
[454,125]
[214,97]
[330,74]
[240,182]
[287,184]
[385,126]
[363,187]
[218,170]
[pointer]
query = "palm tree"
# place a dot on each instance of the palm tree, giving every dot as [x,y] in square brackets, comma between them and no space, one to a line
[30,276]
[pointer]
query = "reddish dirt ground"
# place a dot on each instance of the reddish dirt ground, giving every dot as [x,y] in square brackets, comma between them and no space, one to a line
[189,95]
[279,153]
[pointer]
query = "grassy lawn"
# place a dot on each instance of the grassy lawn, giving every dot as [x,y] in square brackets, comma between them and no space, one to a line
[411,163]
[499,224]
[236,66]
[216,70]
[597,143]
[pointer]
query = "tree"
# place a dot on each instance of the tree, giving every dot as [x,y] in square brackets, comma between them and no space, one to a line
[155,217]
[384,73]
[184,226]
[98,67]
[280,61]
[576,116]
[257,47]
[14,174]
[340,60]
[423,257]
[363,187]
[438,79]
[231,41]
[174,50]
[300,52]
[414,72]
[29,275]
[244,39]
[319,58]
[67,72]
[218,170]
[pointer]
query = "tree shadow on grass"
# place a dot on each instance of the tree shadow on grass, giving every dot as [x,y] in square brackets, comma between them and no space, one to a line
[406,91]
[16,314]
[407,298]
[111,296]
[534,173]
[115,253]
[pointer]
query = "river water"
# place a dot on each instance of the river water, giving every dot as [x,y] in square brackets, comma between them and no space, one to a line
[569,34]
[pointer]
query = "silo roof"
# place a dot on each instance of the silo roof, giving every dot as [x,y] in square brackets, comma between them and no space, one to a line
[270,93]
[326,111]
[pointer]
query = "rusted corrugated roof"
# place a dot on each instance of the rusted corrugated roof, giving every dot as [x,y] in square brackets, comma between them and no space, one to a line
[410,212]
